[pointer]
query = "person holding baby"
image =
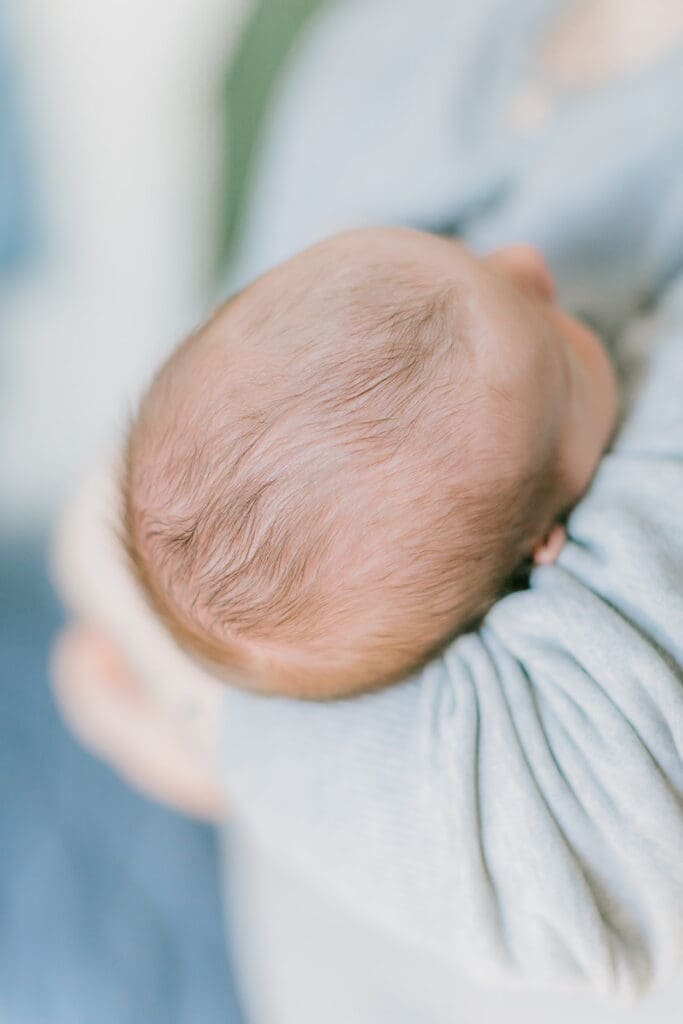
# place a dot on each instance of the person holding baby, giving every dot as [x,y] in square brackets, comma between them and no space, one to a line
[406,515]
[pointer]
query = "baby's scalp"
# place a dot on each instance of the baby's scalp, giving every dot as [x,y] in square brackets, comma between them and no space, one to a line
[315,493]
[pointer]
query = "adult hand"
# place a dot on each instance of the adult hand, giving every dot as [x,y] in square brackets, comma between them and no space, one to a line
[117,719]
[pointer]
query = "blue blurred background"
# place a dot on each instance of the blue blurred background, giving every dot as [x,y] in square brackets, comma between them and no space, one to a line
[109,905]
[120,189]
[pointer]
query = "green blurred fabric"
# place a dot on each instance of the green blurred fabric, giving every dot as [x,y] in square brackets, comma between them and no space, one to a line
[268,35]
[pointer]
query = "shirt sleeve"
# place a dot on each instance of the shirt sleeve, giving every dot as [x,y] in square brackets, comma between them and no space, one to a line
[517,807]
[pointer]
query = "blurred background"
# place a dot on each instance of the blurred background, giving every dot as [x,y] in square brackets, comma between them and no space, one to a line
[128,129]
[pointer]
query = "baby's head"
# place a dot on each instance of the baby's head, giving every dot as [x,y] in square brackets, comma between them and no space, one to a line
[345,466]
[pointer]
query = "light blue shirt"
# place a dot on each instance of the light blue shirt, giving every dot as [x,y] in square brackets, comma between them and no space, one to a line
[511,818]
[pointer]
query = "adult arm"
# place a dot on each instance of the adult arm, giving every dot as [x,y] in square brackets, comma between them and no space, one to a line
[517,808]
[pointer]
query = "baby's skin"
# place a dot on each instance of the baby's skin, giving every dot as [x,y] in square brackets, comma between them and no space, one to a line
[559,392]
[347,465]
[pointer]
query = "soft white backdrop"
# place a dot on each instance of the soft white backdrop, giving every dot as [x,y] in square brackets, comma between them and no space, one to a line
[125,133]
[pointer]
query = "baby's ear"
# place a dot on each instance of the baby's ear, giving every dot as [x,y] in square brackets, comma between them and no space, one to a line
[547,551]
